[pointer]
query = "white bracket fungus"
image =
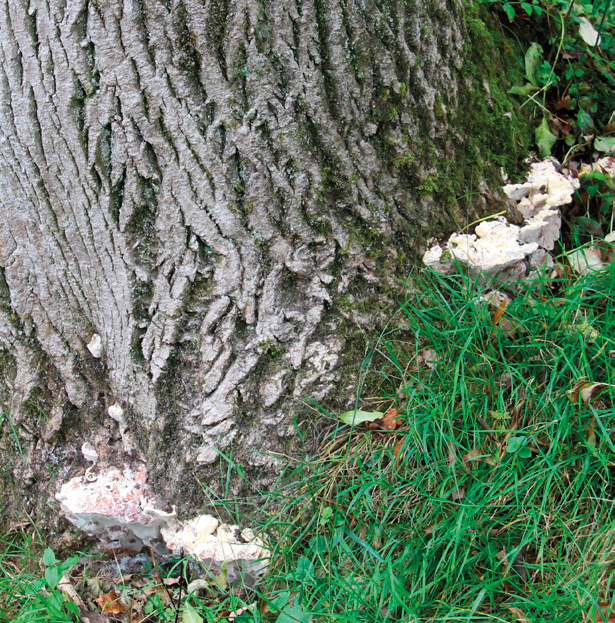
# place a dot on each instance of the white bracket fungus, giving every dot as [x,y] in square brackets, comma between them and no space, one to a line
[117,507]
[500,249]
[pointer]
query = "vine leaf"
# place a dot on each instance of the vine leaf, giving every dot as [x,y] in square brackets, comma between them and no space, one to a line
[545,139]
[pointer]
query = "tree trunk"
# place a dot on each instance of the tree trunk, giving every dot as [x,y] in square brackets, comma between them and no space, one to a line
[213,187]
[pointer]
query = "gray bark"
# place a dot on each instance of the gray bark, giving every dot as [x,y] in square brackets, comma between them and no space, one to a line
[200,182]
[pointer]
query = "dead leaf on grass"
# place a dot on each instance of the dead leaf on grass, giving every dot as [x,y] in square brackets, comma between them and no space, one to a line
[499,312]
[458,494]
[110,603]
[398,446]
[519,615]
[389,421]
[589,393]
[586,260]
[474,456]
[604,613]
[427,358]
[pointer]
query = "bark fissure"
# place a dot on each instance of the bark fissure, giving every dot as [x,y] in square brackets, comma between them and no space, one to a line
[200,183]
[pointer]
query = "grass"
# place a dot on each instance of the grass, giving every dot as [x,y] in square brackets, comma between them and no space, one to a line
[495,493]
[490,501]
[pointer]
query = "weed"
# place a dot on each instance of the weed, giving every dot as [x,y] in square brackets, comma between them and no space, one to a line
[27,598]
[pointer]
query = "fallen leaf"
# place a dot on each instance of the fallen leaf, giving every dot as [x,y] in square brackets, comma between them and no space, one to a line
[190,615]
[605,144]
[587,31]
[168,581]
[499,312]
[519,615]
[604,609]
[545,139]
[110,603]
[67,587]
[563,103]
[586,260]
[474,456]
[589,225]
[199,584]
[458,494]
[390,421]
[427,358]
[352,418]
[587,392]
[398,446]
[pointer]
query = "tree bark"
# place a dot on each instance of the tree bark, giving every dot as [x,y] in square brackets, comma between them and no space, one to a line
[211,186]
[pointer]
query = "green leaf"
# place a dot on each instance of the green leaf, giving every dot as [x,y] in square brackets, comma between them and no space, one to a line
[509,9]
[585,123]
[304,570]
[294,614]
[525,453]
[545,139]
[73,609]
[588,224]
[49,558]
[68,563]
[278,602]
[543,73]
[52,577]
[526,89]
[352,418]
[515,444]
[319,545]
[190,615]
[532,60]
[528,8]
[605,144]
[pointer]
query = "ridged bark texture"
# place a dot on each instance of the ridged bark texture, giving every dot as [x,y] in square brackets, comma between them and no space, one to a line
[199,182]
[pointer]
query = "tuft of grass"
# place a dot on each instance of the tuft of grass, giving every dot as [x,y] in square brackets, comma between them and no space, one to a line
[494,499]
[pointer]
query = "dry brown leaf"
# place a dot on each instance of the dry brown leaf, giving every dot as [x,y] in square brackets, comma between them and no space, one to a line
[398,446]
[458,494]
[389,421]
[605,609]
[475,455]
[563,102]
[589,393]
[110,603]
[519,615]
[499,312]
[427,358]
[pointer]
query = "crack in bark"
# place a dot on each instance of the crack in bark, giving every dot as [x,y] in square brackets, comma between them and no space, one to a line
[194,184]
